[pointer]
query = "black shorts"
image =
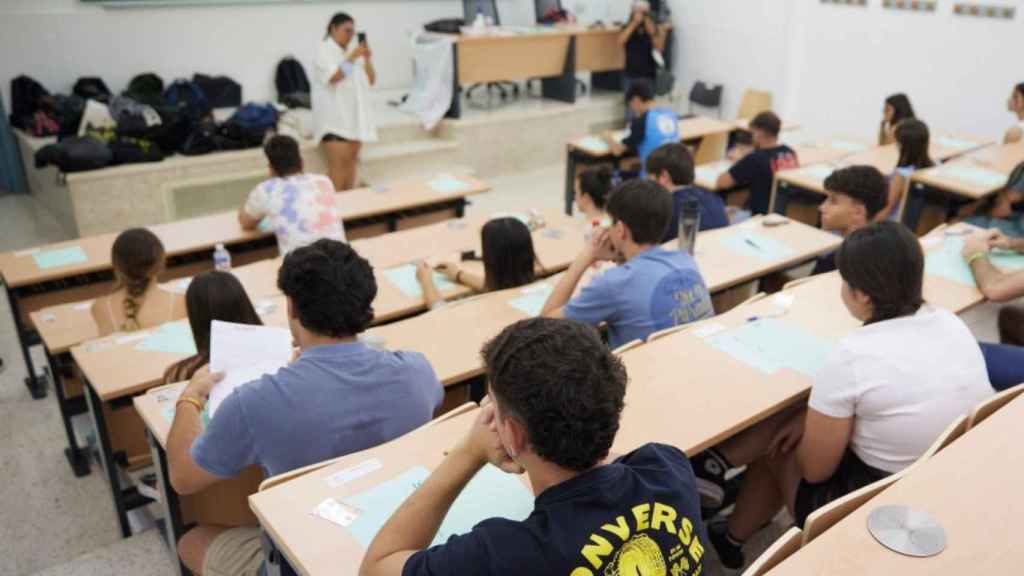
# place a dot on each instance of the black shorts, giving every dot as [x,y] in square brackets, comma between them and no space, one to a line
[851,475]
[329,137]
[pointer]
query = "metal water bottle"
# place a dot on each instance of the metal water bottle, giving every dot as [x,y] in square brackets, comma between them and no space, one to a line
[689,223]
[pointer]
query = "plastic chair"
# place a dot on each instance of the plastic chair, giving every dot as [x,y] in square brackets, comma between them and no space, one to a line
[993,404]
[706,97]
[628,346]
[754,102]
[828,515]
[669,331]
[781,549]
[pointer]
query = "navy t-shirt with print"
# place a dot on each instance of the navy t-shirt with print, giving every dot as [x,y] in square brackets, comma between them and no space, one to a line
[638,515]
[757,172]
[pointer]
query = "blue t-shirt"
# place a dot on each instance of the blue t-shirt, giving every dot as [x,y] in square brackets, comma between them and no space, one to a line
[654,290]
[333,401]
[638,515]
[712,210]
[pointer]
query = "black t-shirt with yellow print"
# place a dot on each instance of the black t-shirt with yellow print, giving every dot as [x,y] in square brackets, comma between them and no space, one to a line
[639,516]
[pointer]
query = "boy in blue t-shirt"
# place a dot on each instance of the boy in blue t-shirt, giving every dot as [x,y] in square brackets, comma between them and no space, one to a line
[652,288]
[672,167]
[557,396]
[652,126]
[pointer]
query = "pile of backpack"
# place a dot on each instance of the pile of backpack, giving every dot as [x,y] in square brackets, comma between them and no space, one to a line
[145,123]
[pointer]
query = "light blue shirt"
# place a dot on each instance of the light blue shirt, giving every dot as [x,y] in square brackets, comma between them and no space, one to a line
[654,290]
[333,401]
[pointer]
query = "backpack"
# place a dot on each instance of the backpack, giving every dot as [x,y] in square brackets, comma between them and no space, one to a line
[250,124]
[146,89]
[126,150]
[75,154]
[67,110]
[201,140]
[445,26]
[44,125]
[292,84]
[26,99]
[184,94]
[133,118]
[220,91]
[92,88]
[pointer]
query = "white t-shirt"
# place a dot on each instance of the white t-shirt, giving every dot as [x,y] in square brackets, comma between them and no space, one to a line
[903,381]
[345,108]
[300,209]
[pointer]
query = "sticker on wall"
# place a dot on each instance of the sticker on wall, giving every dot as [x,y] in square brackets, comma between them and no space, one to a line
[985,11]
[910,5]
[846,2]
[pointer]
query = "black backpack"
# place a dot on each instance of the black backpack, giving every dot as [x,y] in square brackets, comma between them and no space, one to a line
[92,88]
[220,91]
[147,89]
[292,84]
[445,26]
[67,110]
[185,94]
[75,154]
[26,99]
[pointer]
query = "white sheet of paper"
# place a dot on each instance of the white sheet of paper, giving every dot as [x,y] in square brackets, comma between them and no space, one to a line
[244,352]
[333,511]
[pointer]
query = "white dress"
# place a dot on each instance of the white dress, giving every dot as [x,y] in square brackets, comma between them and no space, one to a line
[346,108]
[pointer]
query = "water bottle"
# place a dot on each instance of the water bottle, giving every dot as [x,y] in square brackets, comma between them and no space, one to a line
[479,22]
[689,223]
[221,258]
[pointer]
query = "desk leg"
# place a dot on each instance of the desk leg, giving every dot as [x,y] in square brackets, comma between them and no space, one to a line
[570,179]
[77,457]
[274,561]
[125,499]
[781,199]
[36,384]
[173,527]
[455,110]
[916,200]
[563,88]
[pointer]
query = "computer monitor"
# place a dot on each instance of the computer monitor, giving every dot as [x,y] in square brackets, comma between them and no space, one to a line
[485,7]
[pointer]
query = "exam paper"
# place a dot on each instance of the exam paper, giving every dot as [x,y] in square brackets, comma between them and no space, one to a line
[245,352]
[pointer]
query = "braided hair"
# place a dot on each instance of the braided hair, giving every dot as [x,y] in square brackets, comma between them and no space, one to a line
[137,257]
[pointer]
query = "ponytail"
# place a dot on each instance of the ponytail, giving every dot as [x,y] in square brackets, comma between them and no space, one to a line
[137,256]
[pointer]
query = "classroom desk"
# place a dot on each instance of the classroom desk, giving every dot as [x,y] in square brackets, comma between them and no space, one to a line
[189,245]
[979,530]
[950,187]
[807,183]
[223,504]
[553,54]
[580,151]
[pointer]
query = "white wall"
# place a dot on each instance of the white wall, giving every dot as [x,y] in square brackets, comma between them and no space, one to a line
[831,66]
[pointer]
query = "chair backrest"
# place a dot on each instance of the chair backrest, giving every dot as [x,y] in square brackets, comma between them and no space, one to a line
[545,6]
[828,515]
[990,406]
[781,549]
[754,102]
[797,282]
[703,95]
[668,331]
[710,149]
[627,346]
[486,7]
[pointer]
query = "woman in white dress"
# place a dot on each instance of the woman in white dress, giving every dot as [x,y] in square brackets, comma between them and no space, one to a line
[342,104]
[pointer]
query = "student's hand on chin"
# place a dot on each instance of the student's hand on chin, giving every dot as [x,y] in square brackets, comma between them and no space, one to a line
[483,442]
[202,382]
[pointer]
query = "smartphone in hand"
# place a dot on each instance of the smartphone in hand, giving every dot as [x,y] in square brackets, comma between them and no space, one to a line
[362,37]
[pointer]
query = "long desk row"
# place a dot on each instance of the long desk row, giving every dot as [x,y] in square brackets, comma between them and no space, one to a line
[80,269]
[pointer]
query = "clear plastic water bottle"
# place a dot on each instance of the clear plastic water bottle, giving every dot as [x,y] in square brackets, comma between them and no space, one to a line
[689,223]
[221,258]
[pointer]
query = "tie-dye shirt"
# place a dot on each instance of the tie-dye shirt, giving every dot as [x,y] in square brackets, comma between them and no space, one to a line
[300,210]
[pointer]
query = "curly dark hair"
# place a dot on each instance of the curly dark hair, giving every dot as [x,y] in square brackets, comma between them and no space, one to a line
[864,184]
[331,288]
[563,384]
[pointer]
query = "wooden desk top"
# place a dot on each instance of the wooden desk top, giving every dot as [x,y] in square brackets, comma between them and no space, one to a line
[809,153]
[1001,159]
[693,128]
[315,546]
[525,33]
[986,462]
[19,268]
[152,407]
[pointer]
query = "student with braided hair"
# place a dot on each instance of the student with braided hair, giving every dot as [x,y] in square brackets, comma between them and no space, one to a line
[136,302]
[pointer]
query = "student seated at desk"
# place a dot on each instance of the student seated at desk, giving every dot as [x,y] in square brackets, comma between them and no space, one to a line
[300,207]
[557,396]
[1005,362]
[855,196]
[883,396]
[757,169]
[652,125]
[211,296]
[137,301]
[1005,212]
[672,167]
[913,141]
[897,109]
[338,397]
[508,257]
[592,189]
[1016,105]
[652,288]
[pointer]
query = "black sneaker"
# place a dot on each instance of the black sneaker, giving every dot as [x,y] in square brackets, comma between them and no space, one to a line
[730,552]
[731,491]
[709,467]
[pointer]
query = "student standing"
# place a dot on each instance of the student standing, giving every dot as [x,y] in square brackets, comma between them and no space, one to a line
[652,288]
[1016,105]
[342,101]
[557,396]
[137,302]
[897,108]
[854,197]
[508,258]
[757,169]
[300,207]
[878,403]
[338,397]
[652,126]
[913,142]
[212,295]
[641,37]
[672,167]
